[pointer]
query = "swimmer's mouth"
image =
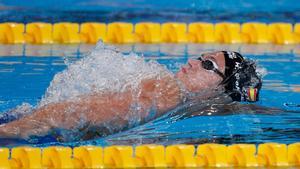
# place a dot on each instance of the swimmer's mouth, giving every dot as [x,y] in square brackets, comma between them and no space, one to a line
[185,68]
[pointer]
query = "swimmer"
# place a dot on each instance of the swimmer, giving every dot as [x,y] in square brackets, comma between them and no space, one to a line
[110,112]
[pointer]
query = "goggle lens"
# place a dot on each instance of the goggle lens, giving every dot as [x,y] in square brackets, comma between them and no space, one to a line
[208,65]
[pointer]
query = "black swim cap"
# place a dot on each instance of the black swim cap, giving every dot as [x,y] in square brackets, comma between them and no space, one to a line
[242,82]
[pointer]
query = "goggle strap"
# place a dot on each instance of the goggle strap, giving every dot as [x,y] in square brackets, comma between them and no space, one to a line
[219,73]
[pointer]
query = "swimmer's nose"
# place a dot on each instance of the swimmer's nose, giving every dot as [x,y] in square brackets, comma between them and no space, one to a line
[194,63]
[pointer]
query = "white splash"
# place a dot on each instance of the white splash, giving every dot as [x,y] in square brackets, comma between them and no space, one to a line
[261,71]
[104,69]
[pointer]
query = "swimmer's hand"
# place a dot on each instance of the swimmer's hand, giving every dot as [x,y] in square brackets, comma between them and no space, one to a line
[23,128]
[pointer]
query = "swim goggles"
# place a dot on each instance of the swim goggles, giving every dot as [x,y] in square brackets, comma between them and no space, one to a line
[210,65]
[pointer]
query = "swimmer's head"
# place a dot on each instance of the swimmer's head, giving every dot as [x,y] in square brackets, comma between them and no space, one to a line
[242,82]
[237,75]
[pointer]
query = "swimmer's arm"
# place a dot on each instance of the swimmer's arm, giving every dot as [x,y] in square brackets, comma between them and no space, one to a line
[92,109]
[95,109]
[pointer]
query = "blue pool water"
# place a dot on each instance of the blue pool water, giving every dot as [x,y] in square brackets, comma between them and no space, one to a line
[27,70]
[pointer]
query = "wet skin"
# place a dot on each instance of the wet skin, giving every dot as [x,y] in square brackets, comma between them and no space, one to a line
[114,108]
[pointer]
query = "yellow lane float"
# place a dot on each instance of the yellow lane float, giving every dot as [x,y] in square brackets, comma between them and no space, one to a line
[39,33]
[180,156]
[119,157]
[281,33]
[57,157]
[212,155]
[272,154]
[26,157]
[201,32]
[66,32]
[12,33]
[120,32]
[149,32]
[88,157]
[173,32]
[242,155]
[255,32]
[92,32]
[152,156]
[228,32]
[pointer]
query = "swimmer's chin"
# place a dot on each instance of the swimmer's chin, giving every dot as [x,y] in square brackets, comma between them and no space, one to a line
[179,75]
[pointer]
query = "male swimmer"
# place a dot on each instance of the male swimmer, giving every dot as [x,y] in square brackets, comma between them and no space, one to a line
[113,111]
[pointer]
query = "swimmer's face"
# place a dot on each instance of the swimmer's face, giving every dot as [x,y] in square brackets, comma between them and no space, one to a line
[195,77]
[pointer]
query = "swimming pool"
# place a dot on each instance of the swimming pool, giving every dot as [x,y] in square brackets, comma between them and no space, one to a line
[26,71]
[274,118]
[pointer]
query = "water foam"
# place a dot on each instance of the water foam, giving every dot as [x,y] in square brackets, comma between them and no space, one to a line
[104,69]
